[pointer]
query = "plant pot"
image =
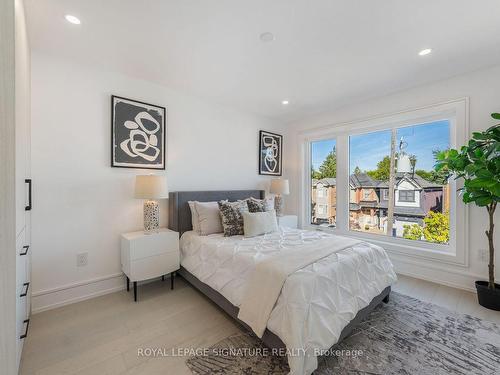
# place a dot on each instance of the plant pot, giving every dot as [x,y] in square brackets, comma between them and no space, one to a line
[489,298]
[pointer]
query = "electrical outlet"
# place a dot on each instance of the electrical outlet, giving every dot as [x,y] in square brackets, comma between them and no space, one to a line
[82,259]
[483,255]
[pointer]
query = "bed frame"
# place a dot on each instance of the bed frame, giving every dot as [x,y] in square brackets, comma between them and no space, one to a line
[179,219]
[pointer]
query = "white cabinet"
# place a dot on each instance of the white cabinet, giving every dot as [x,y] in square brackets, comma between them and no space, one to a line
[148,255]
[14,169]
[24,193]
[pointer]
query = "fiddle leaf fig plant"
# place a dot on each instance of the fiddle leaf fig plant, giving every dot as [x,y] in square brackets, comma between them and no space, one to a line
[478,164]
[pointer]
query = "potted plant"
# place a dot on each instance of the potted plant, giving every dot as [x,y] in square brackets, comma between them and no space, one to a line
[478,164]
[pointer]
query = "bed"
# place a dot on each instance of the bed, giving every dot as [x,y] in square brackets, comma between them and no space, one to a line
[333,300]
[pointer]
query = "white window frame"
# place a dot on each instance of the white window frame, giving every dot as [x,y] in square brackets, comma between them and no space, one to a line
[457,112]
[406,192]
[385,194]
[366,193]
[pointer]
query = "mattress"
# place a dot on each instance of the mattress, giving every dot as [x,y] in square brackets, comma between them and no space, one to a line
[316,302]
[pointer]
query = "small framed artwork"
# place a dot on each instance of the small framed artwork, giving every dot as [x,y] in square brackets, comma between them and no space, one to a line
[138,134]
[270,153]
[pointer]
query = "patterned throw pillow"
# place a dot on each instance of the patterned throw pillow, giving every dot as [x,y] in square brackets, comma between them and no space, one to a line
[232,220]
[260,205]
[256,205]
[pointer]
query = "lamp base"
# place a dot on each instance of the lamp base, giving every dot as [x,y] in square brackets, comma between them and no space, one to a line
[278,205]
[151,216]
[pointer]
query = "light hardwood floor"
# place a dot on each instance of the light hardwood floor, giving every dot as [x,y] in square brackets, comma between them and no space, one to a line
[101,336]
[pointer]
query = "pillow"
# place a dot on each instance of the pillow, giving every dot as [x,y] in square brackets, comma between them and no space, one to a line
[195,220]
[260,205]
[257,223]
[208,218]
[232,221]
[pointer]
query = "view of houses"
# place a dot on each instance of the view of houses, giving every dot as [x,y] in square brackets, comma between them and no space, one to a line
[421,196]
[415,197]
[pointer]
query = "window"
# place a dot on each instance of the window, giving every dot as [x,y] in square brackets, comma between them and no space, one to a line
[323,168]
[320,191]
[385,194]
[407,195]
[364,152]
[413,154]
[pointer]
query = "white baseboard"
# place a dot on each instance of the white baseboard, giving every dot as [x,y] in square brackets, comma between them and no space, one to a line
[459,280]
[67,294]
[52,298]
[56,297]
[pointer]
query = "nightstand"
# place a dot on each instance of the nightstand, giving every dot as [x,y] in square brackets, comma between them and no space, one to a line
[289,221]
[146,256]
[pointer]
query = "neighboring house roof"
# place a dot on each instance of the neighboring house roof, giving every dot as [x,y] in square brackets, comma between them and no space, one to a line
[354,207]
[403,210]
[363,180]
[370,204]
[329,181]
[398,210]
[424,183]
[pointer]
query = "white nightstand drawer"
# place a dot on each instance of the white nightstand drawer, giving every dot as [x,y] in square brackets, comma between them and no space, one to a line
[137,245]
[154,266]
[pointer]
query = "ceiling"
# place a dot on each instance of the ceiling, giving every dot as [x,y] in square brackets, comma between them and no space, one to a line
[326,53]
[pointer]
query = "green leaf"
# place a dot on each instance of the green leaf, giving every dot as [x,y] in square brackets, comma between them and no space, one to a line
[496,116]
[483,173]
[483,201]
[480,183]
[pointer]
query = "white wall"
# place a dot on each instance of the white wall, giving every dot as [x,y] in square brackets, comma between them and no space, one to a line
[482,87]
[81,204]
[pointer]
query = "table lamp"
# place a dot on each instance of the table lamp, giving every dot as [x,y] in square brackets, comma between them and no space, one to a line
[279,187]
[151,188]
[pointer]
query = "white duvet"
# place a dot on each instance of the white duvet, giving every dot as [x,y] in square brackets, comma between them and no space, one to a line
[316,302]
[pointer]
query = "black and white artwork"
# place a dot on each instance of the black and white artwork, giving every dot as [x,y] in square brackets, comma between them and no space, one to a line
[270,152]
[138,134]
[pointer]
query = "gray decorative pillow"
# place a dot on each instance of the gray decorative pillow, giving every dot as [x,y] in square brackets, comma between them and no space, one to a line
[232,220]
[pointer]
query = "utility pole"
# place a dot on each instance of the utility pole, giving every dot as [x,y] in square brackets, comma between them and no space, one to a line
[392,178]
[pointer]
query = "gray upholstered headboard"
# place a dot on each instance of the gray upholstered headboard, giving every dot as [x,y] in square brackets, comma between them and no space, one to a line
[179,214]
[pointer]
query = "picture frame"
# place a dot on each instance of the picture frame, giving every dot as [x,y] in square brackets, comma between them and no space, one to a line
[138,134]
[270,153]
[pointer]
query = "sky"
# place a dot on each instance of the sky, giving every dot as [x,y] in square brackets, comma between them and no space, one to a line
[368,149]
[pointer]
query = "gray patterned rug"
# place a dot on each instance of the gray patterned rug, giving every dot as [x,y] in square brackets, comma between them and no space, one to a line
[405,336]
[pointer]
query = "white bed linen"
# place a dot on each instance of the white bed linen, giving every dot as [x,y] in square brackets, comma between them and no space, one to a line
[316,302]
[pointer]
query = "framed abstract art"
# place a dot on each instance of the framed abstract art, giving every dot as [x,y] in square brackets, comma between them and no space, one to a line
[270,153]
[138,134]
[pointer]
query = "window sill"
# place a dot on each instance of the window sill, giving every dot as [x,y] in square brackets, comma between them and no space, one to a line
[401,246]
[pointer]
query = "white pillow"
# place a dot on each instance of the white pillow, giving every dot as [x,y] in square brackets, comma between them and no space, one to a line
[195,220]
[208,217]
[257,223]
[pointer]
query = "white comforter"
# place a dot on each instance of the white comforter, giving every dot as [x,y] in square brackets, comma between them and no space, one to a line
[316,302]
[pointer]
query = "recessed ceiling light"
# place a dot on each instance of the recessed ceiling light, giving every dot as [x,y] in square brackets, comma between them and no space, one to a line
[72,19]
[267,37]
[285,102]
[425,52]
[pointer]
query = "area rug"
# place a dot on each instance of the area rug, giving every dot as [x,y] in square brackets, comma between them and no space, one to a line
[405,336]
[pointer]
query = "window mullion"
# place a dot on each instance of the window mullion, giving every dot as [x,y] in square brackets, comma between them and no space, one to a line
[342,183]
